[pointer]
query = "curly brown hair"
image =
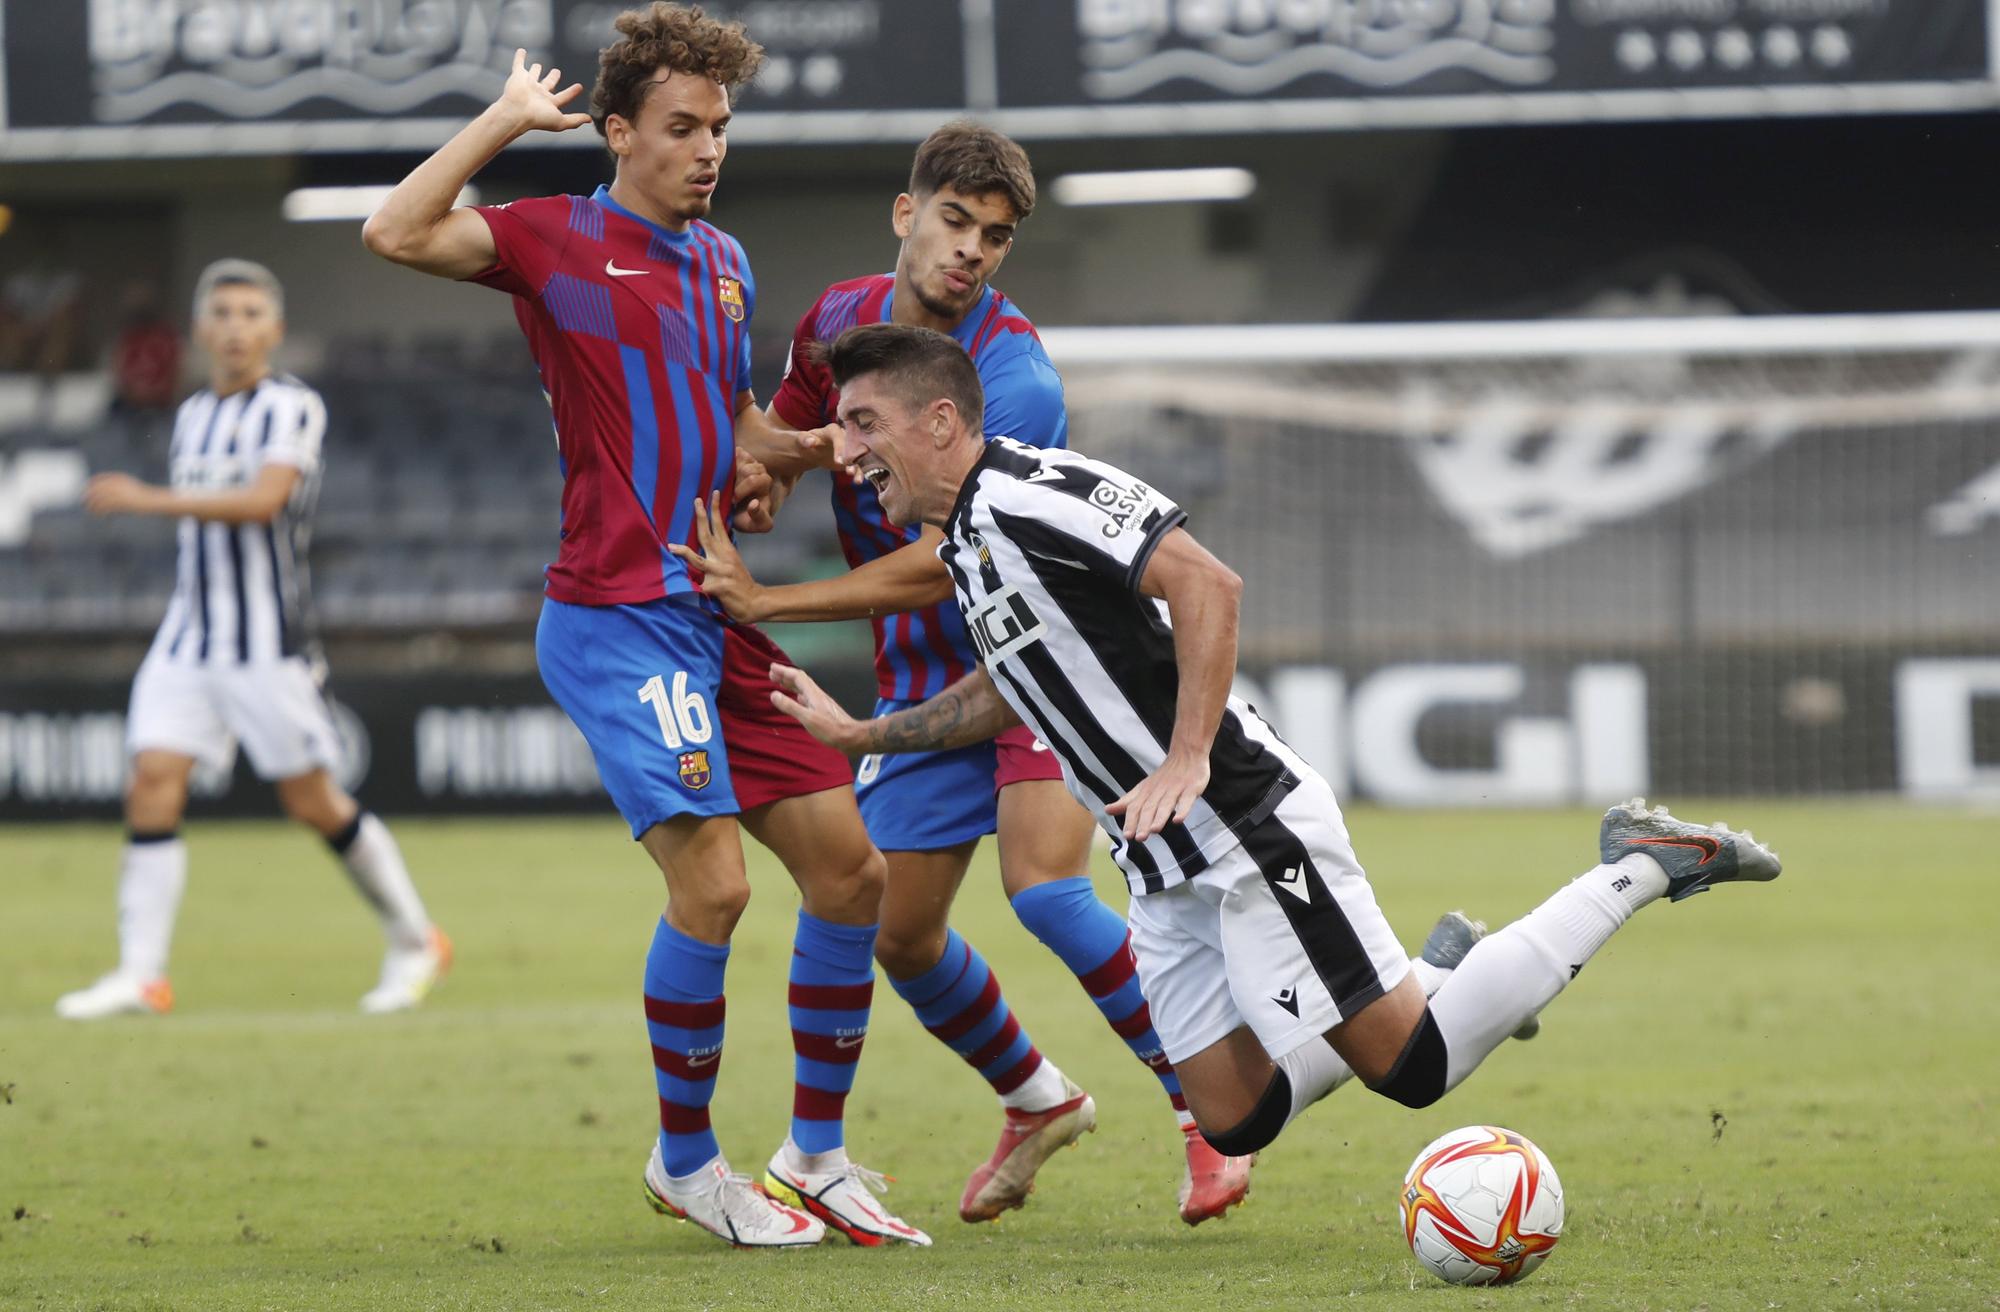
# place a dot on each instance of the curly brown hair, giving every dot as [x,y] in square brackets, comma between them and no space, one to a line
[680,38]
[974,160]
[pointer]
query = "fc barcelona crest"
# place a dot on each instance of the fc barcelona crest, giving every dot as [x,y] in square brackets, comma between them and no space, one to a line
[732,299]
[694,769]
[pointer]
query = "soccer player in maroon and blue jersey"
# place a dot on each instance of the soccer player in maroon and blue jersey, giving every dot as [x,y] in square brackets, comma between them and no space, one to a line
[638,315]
[970,189]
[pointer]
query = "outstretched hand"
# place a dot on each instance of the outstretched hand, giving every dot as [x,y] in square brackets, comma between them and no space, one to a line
[531,97]
[1165,796]
[805,701]
[117,494]
[724,576]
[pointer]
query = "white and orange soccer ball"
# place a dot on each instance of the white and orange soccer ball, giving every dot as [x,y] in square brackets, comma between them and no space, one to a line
[1482,1206]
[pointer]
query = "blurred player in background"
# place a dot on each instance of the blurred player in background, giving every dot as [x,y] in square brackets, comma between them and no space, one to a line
[638,314]
[236,658]
[1103,624]
[970,190]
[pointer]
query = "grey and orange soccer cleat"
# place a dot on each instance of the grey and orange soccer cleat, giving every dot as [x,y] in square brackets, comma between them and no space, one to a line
[1694,857]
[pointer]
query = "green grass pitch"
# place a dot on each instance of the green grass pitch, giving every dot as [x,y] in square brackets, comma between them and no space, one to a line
[1768,1097]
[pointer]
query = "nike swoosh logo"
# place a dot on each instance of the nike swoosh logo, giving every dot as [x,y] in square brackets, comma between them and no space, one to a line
[1046,474]
[616,272]
[851,1042]
[1708,847]
[708,1060]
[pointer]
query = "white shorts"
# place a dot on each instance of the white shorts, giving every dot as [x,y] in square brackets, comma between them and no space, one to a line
[274,708]
[1282,933]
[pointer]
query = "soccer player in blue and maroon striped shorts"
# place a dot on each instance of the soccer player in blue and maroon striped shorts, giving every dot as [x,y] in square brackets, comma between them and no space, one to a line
[638,313]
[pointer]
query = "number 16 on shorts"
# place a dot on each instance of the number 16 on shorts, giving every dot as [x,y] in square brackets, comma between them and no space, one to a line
[685,723]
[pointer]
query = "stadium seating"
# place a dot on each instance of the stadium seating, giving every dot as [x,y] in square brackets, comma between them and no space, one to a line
[438,504]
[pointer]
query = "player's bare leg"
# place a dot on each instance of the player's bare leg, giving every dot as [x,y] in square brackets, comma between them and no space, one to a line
[824,846]
[1045,843]
[157,793]
[417,953]
[686,1176]
[152,877]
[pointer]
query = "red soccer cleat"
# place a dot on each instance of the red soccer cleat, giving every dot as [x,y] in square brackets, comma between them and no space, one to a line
[1026,1141]
[1213,1183]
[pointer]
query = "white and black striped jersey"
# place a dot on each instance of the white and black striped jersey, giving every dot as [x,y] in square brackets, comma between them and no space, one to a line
[1046,550]
[240,594]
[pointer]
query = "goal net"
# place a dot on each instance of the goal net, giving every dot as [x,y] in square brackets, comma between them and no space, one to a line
[1567,561]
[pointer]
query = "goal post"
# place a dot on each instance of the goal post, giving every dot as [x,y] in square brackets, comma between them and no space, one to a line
[1563,561]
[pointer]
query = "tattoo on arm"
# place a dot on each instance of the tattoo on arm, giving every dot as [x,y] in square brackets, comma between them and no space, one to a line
[970,711]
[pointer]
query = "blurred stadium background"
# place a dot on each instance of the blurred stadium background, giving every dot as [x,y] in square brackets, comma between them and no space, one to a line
[1598,395]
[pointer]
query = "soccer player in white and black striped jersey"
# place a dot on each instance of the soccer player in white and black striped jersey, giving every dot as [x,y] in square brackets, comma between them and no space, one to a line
[236,660]
[1107,629]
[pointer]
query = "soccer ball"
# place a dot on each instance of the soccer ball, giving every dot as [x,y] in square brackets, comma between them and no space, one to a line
[1481,1206]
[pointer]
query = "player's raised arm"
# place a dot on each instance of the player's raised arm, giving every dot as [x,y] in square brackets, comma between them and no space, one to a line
[1203,597]
[418,225]
[785,452]
[259,503]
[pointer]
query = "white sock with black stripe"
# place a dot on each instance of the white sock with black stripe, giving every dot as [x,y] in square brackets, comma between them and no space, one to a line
[1515,971]
[151,879]
[375,864]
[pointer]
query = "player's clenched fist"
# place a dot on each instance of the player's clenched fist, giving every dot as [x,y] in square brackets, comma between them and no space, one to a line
[531,98]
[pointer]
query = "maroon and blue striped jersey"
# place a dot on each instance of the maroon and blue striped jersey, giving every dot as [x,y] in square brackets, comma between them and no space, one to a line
[642,337]
[920,653]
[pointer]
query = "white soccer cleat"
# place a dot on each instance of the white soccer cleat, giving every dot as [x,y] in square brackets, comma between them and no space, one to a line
[408,974]
[118,995]
[845,1198]
[730,1207]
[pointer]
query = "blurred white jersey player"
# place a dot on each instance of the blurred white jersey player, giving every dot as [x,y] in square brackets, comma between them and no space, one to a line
[234,660]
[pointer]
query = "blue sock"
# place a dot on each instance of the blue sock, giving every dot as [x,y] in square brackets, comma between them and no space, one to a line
[832,985]
[684,1021]
[959,1001]
[1092,940]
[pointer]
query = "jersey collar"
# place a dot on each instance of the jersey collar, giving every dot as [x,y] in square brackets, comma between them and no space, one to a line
[968,327]
[602,196]
[962,507]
